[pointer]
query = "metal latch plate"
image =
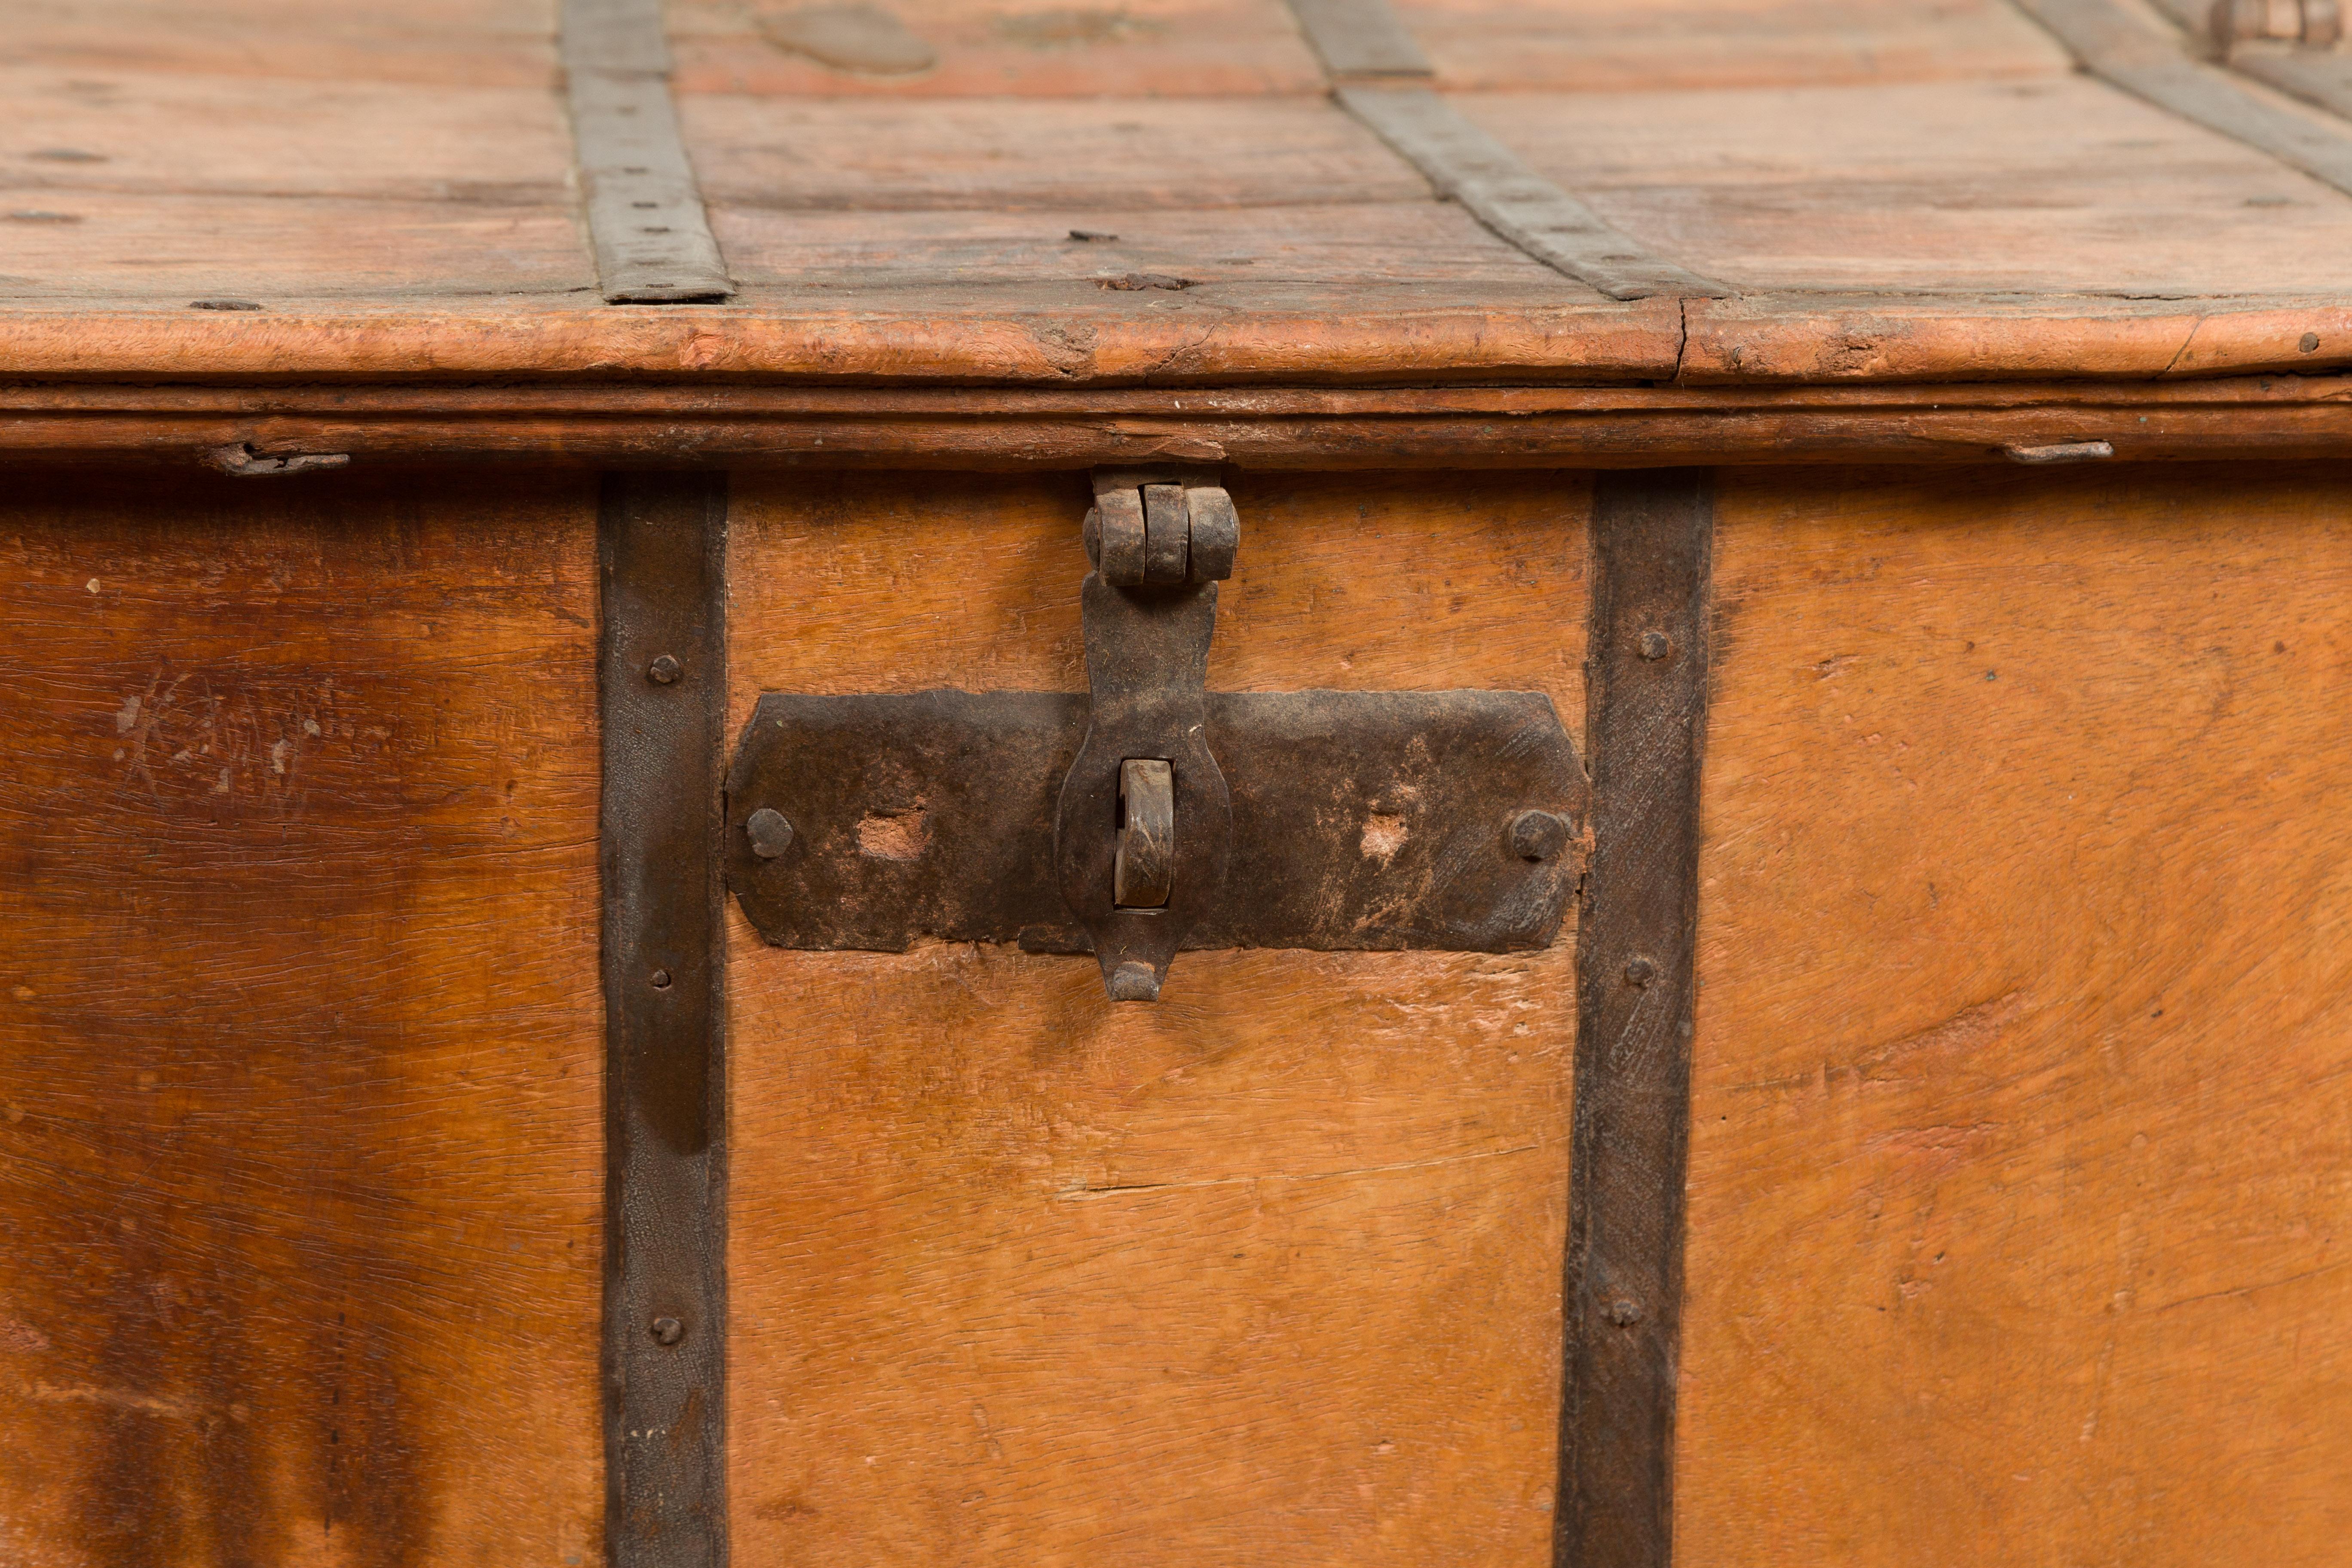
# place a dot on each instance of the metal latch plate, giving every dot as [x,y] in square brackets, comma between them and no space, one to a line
[1360,820]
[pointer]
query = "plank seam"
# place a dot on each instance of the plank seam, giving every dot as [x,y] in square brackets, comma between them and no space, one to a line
[648,222]
[2112,44]
[1651,543]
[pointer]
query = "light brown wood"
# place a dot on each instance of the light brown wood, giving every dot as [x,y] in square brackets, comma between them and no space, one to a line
[482,43]
[147,184]
[300,1158]
[1313,245]
[2020,1122]
[1851,340]
[1606,46]
[1265,1273]
[1900,189]
[1052,334]
[988,153]
[1141,48]
[1364,428]
[2048,188]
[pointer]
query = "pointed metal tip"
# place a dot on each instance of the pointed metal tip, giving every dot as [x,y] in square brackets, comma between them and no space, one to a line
[1132,982]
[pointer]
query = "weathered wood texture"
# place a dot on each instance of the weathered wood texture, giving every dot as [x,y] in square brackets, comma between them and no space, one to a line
[982,49]
[1592,46]
[1270,428]
[156,187]
[1900,189]
[299,1049]
[2049,186]
[1264,1273]
[2022,1107]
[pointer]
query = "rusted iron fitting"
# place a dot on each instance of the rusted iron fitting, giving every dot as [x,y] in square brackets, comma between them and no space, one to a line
[1143,830]
[1159,528]
[2313,24]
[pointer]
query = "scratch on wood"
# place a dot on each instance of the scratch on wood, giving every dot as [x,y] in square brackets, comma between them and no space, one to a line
[1087,1194]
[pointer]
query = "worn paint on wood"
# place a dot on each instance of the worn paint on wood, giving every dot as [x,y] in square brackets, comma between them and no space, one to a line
[1264,1273]
[2020,1127]
[299,1059]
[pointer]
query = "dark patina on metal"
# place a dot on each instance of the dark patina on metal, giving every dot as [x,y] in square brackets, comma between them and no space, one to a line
[1360,820]
[1652,541]
[662,686]
[1149,816]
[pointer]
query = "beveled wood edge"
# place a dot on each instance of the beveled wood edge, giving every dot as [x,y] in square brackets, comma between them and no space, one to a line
[1755,340]
[253,429]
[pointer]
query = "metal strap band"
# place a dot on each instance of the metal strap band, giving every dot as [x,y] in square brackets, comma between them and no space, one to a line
[1378,73]
[1360,38]
[2117,48]
[1652,542]
[646,217]
[662,688]
[1500,191]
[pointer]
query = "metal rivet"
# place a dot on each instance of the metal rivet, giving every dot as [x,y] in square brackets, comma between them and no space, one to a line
[661,979]
[664,670]
[770,833]
[1657,645]
[1640,972]
[1539,834]
[1623,1312]
[667,1331]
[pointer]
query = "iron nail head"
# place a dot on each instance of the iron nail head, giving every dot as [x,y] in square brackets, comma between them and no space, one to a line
[667,1331]
[1640,972]
[661,980]
[1539,834]
[1657,645]
[771,832]
[1624,1312]
[664,670]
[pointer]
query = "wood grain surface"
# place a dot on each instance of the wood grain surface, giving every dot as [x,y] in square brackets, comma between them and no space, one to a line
[2023,1106]
[2049,187]
[1590,46]
[163,186]
[1264,1273]
[1359,428]
[300,1166]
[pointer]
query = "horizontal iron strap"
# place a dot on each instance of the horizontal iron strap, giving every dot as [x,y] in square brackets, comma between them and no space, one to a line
[1360,820]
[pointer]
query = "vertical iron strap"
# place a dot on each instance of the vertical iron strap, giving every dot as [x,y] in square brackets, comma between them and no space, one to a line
[647,221]
[661,687]
[1652,536]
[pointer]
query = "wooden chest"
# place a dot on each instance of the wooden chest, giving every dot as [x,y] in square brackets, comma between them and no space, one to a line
[1686,666]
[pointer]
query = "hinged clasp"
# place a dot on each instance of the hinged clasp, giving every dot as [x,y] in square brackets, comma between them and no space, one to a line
[1159,542]
[1148,816]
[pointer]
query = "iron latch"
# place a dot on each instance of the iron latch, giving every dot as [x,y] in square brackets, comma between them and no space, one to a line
[1150,815]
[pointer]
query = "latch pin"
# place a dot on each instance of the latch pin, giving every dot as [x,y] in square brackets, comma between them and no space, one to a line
[1144,870]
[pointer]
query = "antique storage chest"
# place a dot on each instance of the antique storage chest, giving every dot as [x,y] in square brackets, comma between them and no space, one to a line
[1176,782]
